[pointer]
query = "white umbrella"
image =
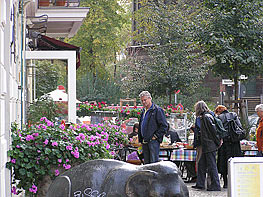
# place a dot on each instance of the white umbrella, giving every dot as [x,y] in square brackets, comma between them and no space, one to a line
[60,94]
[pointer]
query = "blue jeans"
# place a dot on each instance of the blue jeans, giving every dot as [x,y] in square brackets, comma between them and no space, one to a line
[207,163]
[151,151]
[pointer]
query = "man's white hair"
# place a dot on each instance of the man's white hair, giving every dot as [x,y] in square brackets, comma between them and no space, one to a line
[145,93]
[259,107]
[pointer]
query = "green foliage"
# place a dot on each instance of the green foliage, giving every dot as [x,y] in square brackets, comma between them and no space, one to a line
[190,98]
[233,37]
[169,62]
[44,106]
[47,75]
[47,149]
[90,88]
[101,35]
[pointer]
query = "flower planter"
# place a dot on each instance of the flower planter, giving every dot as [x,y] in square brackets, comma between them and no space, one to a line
[44,3]
[60,2]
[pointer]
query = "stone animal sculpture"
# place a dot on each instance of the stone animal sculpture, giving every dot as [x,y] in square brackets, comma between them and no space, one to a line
[111,178]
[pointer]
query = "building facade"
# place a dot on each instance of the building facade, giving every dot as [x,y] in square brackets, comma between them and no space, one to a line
[21,23]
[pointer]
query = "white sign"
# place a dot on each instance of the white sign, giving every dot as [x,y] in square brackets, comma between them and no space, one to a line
[227,82]
[245,176]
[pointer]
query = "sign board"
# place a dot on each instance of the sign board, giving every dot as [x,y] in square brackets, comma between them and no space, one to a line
[245,176]
[227,82]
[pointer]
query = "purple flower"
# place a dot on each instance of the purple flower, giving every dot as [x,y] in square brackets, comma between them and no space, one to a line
[59,160]
[13,190]
[54,144]
[18,146]
[13,161]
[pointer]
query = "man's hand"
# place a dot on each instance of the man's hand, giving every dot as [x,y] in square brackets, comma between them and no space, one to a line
[154,137]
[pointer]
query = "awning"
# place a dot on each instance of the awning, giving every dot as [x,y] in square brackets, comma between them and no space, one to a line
[46,43]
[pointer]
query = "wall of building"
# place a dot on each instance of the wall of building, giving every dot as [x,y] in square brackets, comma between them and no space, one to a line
[9,82]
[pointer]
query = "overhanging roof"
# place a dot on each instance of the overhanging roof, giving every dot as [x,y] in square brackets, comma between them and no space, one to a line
[45,43]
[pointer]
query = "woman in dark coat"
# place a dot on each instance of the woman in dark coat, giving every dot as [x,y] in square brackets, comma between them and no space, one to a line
[210,144]
[228,148]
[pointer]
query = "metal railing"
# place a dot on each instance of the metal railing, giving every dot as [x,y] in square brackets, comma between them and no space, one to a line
[58,3]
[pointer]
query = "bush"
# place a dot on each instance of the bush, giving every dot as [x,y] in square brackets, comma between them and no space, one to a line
[49,149]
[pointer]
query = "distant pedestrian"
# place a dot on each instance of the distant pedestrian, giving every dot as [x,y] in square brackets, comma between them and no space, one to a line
[210,143]
[228,149]
[152,127]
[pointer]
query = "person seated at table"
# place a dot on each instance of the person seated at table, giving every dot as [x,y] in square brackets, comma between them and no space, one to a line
[174,137]
[134,130]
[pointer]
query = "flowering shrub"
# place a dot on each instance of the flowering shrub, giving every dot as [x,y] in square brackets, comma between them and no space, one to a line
[126,112]
[48,149]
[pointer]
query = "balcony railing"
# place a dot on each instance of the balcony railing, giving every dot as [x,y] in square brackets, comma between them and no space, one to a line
[58,3]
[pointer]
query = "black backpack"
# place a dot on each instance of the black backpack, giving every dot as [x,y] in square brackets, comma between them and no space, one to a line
[235,132]
[221,132]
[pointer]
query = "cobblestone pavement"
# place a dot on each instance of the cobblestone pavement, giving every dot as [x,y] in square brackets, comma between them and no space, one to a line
[198,193]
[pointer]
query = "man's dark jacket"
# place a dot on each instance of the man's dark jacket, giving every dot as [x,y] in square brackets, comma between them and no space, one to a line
[209,140]
[155,126]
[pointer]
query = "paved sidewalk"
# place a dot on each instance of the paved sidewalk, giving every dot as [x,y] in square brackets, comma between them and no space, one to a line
[198,193]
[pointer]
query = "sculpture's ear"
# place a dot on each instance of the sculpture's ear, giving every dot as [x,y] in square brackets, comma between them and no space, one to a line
[139,183]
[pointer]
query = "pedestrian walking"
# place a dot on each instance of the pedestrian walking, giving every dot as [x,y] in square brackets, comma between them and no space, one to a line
[210,144]
[152,127]
[229,148]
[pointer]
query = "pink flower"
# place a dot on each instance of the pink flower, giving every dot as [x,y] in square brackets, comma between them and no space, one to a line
[29,137]
[46,141]
[56,172]
[59,160]
[18,146]
[43,118]
[33,189]
[35,134]
[54,144]
[66,166]
[108,146]
[13,161]
[69,147]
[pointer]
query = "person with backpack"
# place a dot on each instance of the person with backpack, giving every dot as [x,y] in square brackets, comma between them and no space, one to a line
[230,147]
[210,143]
